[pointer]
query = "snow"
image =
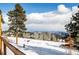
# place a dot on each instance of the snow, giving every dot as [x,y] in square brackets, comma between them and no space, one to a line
[9,52]
[39,47]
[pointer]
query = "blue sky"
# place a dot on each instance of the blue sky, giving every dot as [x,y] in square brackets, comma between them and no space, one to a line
[35,7]
[43,16]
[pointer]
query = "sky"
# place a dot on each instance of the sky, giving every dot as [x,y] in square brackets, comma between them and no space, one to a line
[35,7]
[45,17]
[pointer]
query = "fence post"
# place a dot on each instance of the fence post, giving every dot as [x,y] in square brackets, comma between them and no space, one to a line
[0,36]
[4,48]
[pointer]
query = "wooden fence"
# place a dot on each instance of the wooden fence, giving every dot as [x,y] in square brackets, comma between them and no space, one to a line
[5,44]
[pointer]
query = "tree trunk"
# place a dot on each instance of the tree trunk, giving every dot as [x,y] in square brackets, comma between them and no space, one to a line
[17,38]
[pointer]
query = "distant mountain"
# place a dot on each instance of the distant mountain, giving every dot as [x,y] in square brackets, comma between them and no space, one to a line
[57,33]
[60,34]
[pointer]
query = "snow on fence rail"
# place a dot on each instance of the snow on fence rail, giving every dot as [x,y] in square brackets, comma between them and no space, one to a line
[11,47]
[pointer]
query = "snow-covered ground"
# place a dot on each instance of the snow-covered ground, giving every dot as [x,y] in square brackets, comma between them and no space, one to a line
[39,47]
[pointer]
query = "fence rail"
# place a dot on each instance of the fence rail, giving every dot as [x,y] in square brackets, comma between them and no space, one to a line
[11,47]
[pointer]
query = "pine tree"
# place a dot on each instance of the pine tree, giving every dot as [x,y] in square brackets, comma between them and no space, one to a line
[17,18]
[73,26]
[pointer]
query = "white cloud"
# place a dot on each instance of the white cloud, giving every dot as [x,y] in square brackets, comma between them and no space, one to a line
[5,18]
[4,27]
[48,21]
[57,22]
[48,18]
[74,9]
[63,9]
[42,21]
[45,27]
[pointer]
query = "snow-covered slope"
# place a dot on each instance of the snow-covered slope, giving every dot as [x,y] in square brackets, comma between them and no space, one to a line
[39,47]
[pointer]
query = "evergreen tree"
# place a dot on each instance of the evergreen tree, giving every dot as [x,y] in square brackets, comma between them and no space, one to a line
[73,26]
[17,18]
